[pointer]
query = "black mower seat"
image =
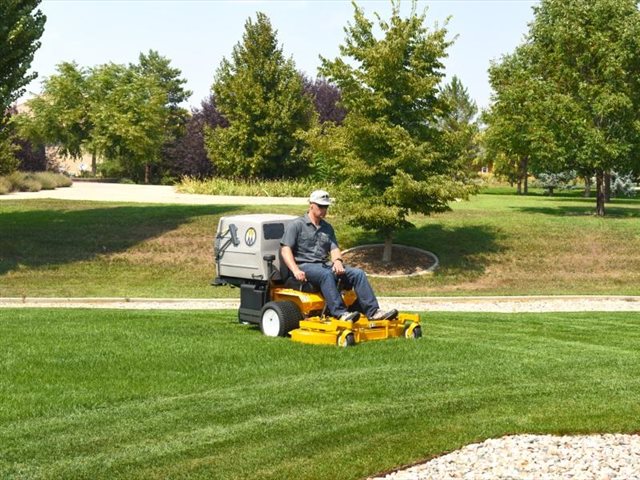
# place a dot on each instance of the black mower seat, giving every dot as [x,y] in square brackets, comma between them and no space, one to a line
[307,287]
[289,281]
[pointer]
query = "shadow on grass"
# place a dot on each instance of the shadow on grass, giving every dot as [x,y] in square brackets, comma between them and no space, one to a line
[45,237]
[538,192]
[584,207]
[462,248]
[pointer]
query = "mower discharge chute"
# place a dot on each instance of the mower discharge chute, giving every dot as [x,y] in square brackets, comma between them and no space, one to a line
[247,256]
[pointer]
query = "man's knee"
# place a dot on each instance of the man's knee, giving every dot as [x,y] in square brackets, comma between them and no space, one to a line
[356,273]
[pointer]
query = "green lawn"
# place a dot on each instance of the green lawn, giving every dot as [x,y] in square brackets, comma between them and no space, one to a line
[161,394]
[491,245]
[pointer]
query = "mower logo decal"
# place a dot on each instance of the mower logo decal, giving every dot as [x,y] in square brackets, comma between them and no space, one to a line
[250,237]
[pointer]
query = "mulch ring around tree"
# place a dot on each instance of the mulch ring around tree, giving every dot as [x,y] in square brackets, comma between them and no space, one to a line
[405,261]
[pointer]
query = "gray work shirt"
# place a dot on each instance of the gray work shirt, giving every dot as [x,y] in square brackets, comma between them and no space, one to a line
[310,244]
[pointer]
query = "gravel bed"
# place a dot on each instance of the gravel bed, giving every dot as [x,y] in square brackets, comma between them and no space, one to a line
[516,304]
[524,457]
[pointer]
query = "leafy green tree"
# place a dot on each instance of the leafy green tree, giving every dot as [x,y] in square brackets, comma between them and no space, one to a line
[60,116]
[155,65]
[260,93]
[588,51]
[125,114]
[20,31]
[390,146]
[129,118]
[520,136]
[508,136]
[459,125]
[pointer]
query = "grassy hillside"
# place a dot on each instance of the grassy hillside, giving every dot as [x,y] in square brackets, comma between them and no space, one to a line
[162,394]
[490,245]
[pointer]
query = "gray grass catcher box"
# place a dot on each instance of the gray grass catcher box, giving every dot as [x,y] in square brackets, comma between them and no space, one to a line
[242,242]
[246,250]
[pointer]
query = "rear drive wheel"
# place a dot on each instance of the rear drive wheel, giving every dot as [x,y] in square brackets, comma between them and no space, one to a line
[277,319]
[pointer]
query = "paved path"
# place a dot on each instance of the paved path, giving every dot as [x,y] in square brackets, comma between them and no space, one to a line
[118,192]
[422,304]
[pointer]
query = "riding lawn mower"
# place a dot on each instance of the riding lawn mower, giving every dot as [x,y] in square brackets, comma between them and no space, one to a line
[247,256]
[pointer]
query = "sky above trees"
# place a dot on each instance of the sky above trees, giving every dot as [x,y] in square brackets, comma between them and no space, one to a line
[196,35]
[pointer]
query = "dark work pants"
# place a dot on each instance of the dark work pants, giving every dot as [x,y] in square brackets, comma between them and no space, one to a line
[322,276]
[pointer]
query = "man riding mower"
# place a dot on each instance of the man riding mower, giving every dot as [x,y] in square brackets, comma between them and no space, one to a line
[247,255]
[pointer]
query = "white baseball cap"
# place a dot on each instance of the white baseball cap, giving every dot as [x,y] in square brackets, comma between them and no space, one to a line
[320,197]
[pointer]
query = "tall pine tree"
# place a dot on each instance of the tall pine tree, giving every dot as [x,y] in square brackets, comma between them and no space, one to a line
[459,126]
[260,93]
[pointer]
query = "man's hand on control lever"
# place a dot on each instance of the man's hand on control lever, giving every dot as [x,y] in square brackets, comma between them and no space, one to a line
[338,267]
[300,275]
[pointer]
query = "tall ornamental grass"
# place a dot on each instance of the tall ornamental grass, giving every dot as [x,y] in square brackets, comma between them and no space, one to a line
[32,182]
[5,186]
[260,188]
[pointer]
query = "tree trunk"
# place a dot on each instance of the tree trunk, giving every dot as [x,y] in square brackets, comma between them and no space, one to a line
[600,193]
[146,173]
[386,253]
[524,165]
[519,187]
[94,164]
[607,187]
[587,187]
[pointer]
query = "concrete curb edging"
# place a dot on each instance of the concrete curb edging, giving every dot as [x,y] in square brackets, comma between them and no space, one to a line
[122,303]
[495,304]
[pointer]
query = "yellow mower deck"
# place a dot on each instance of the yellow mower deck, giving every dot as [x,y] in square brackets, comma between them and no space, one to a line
[316,329]
[331,331]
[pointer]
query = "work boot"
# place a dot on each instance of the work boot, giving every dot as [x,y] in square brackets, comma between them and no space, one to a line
[350,316]
[382,315]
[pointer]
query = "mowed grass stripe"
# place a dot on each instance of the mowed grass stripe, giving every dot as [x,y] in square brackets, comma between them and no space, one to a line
[166,394]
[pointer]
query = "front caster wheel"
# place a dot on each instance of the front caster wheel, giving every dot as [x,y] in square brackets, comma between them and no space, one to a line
[413,331]
[417,332]
[346,339]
